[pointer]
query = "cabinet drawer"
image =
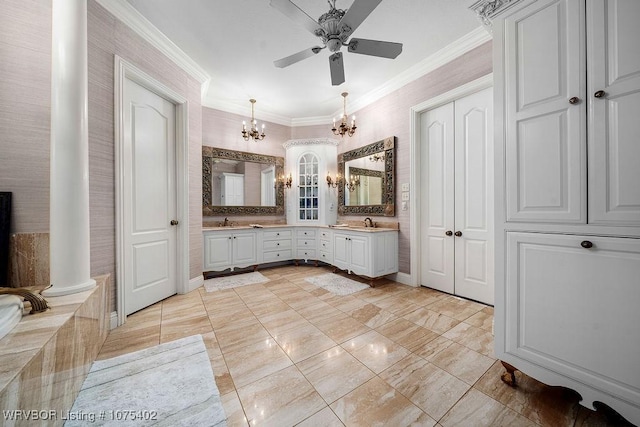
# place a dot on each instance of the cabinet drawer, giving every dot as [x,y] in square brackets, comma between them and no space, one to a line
[326,257]
[276,234]
[277,256]
[306,254]
[311,234]
[276,244]
[325,245]
[306,243]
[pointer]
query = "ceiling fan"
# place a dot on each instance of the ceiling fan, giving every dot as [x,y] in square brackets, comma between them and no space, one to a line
[334,29]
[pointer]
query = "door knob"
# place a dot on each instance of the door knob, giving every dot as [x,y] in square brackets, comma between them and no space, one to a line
[174,222]
[574,100]
[599,94]
[448,233]
[458,233]
[586,244]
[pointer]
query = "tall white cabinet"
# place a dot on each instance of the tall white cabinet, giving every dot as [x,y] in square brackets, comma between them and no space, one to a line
[567,152]
[456,187]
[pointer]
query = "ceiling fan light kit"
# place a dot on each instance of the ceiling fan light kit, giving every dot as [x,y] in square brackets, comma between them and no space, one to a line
[253,131]
[334,29]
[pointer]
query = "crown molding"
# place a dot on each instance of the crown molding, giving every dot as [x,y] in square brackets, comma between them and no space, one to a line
[445,55]
[486,10]
[126,13]
[310,141]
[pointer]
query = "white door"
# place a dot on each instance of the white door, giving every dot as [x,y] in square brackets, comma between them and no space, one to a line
[149,202]
[457,197]
[437,187]
[473,236]
[614,100]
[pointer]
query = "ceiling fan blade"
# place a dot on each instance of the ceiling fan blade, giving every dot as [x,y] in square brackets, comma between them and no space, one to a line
[296,14]
[375,48]
[337,69]
[357,13]
[296,57]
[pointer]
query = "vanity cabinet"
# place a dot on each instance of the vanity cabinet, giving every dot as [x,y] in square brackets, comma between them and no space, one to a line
[224,250]
[276,245]
[567,85]
[366,253]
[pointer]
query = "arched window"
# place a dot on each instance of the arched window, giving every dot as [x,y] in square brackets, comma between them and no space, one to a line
[308,187]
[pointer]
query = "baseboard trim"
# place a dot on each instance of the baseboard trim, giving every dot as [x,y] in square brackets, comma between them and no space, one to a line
[113,321]
[194,283]
[403,278]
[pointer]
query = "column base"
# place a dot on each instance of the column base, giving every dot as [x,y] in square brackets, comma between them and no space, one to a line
[58,291]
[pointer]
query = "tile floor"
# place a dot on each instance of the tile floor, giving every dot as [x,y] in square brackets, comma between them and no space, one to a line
[288,353]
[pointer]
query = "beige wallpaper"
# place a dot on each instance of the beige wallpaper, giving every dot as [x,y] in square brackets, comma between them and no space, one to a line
[25,111]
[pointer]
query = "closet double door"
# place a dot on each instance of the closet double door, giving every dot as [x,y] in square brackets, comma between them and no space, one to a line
[456,197]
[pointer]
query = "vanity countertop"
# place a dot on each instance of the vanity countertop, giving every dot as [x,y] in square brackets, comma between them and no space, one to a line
[347,227]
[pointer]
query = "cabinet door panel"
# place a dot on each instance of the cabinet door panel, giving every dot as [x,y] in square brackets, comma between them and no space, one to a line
[217,251]
[575,310]
[614,128]
[545,137]
[360,254]
[341,251]
[244,249]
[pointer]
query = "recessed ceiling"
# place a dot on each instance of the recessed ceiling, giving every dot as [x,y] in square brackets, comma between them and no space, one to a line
[236,42]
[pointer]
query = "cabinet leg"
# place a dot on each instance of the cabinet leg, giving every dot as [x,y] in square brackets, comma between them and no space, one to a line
[296,262]
[372,283]
[316,263]
[509,377]
[255,267]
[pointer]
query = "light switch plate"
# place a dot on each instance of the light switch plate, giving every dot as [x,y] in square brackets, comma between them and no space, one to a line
[405,187]
[405,196]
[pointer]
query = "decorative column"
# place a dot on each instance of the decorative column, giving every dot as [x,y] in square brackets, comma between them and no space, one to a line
[69,193]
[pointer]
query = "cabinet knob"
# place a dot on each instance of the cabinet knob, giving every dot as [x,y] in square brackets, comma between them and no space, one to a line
[234,237]
[599,94]
[574,100]
[277,234]
[174,222]
[458,233]
[586,244]
[448,233]
[229,237]
[277,244]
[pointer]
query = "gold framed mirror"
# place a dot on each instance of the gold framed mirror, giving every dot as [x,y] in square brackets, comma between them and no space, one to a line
[368,180]
[241,183]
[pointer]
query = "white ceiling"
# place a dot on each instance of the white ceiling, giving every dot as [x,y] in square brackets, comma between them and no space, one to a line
[236,42]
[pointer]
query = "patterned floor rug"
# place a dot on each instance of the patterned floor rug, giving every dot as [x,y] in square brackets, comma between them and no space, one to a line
[171,384]
[336,284]
[227,282]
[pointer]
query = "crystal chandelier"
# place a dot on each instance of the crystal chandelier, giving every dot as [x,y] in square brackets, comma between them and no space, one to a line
[344,128]
[253,132]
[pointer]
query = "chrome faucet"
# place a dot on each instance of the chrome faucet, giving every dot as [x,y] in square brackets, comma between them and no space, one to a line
[368,222]
[226,222]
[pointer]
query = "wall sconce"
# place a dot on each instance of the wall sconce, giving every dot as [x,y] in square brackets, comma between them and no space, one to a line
[333,183]
[286,181]
[353,183]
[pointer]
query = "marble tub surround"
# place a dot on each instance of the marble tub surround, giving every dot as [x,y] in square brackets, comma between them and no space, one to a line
[28,260]
[285,352]
[46,357]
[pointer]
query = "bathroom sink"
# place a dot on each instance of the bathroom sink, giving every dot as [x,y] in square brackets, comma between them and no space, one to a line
[11,307]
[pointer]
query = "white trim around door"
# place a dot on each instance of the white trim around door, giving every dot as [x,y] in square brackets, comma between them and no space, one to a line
[125,70]
[414,195]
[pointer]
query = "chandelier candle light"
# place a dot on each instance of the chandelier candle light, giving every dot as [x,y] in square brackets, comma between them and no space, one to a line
[253,132]
[344,128]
